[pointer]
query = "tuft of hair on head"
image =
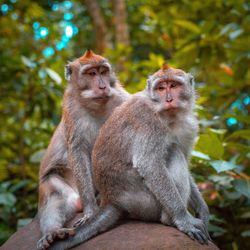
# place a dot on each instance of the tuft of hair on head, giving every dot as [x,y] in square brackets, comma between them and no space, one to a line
[90,57]
[165,66]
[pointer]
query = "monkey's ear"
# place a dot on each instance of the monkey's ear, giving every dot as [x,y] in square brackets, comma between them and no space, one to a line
[68,72]
[191,79]
[148,87]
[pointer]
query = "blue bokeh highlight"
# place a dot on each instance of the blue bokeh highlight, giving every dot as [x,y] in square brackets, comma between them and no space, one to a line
[49,51]
[4,8]
[231,121]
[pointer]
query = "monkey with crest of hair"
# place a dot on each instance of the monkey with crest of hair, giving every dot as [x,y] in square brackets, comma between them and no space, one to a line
[140,161]
[65,178]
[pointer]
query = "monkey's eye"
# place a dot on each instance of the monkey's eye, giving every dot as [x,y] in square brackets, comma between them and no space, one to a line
[160,88]
[173,84]
[103,72]
[92,73]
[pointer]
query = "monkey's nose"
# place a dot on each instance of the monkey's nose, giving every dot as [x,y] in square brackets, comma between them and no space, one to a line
[169,98]
[102,86]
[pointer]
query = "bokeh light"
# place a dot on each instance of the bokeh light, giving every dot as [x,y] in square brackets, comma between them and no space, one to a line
[55,7]
[68,16]
[49,51]
[68,31]
[246,100]
[43,32]
[67,4]
[36,25]
[61,45]
[231,121]
[4,8]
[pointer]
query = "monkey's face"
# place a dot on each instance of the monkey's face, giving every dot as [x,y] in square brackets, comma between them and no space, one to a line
[92,81]
[172,90]
[95,82]
[91,77]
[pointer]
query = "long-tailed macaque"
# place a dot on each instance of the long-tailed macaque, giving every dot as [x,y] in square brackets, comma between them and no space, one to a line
[140,161]
[66,185]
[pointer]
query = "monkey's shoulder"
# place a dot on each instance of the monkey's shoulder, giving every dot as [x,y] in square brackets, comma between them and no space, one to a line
[138,106]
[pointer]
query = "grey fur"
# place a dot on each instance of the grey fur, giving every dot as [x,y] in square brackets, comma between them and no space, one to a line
[65,171]
[140,165]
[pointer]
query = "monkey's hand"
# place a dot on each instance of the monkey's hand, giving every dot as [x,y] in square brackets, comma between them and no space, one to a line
[194,228]
[203,214]
[88,213]
[47,239]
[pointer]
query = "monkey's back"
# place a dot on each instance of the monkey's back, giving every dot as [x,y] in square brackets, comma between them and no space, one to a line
[112,153]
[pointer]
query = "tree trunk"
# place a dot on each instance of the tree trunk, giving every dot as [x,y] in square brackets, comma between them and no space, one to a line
[121,27]
[100,28]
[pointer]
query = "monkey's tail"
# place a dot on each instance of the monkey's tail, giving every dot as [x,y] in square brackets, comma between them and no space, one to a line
[104,220]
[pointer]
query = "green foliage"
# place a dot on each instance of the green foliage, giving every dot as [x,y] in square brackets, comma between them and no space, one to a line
[208,38]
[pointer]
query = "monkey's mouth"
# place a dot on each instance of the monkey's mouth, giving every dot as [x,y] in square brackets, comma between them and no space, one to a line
[170,106]
[101,99]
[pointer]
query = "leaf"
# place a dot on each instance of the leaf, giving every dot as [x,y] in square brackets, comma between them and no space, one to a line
[54,76]
[188,25]
[222,166]
[245,215]
[28,62]
[23,222]
[7,199]
[246,233]
[37,156]
[234,34]
[224,180]
[218,131]
[217,231]
[200,155]
[242,186]
[244,133]
[210,144]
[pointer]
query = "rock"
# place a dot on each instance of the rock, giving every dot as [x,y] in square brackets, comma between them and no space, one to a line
[127,235]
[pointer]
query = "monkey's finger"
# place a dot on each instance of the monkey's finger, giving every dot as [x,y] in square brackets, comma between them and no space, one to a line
[203,237]
[71,231]
[202,228]
[45,244]
[198,237]
[207,234]
[61,234]
[190,234]
[50,238]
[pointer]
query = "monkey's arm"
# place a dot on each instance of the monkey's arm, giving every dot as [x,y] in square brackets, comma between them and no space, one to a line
[80,161]
[151,167]
[149,160]
[56,155]
[197,203]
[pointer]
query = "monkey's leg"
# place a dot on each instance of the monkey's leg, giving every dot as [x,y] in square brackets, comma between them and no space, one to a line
[106,218]
[60,206]
[162,184]
[197,203]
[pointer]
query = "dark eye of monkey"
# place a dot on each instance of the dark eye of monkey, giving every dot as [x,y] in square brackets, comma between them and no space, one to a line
[103,70]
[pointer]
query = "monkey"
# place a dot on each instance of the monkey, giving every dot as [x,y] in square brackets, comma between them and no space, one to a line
[65,176]
[140,161]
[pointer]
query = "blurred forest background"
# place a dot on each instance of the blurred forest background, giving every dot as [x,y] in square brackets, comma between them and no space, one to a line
[210,39]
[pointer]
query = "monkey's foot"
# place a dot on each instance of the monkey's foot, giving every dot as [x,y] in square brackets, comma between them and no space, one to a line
[195,229]
[88,214]
[49,238]
[81,221]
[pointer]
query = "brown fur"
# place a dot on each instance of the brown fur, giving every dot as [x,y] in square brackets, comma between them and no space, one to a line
[65,177]
[140,161]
